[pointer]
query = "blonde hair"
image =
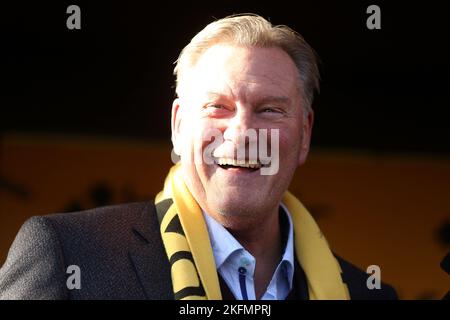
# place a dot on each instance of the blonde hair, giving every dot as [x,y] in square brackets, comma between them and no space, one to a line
[254,31]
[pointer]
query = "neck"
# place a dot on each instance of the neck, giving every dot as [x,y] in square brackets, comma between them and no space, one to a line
[261,239]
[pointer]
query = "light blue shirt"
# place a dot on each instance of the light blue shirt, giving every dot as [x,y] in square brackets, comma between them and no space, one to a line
[232,261]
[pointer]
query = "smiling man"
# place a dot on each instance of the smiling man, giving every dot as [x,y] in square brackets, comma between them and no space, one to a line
[224,226]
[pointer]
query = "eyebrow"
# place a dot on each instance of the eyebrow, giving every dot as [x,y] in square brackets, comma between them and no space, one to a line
[274,99]
[215,94]
[259,101]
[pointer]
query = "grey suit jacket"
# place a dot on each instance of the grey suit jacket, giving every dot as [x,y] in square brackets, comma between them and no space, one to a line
[119,252]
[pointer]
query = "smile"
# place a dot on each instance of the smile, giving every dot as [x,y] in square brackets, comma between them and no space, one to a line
[228,163]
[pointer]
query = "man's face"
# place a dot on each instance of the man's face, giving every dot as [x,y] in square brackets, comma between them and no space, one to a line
[230,90]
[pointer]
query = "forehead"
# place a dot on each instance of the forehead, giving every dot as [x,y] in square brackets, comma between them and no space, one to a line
[243,73]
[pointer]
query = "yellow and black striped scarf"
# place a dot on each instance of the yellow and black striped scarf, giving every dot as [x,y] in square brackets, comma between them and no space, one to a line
[186,240]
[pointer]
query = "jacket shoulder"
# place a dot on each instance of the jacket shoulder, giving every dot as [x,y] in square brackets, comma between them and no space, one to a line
[99,241]
[108,215]
[34,267]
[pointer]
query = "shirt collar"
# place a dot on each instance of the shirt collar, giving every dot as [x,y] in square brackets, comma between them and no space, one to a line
[224,244]
[287,261]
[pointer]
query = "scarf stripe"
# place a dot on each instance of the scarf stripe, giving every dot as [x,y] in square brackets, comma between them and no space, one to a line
[162,208]
[189,286]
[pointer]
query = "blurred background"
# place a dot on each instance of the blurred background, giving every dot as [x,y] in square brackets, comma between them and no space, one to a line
[85,120]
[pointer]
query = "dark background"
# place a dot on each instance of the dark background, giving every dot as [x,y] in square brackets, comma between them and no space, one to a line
[382,90]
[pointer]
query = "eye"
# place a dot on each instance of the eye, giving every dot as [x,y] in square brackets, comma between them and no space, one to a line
[216,106]
[270,110]
[216,110]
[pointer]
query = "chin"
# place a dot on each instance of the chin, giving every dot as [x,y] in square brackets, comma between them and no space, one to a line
[240,206]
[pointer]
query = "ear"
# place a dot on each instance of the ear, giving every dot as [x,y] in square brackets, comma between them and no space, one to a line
[175,125]
[307,125]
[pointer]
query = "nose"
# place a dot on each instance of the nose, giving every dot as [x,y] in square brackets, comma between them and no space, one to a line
[238,125]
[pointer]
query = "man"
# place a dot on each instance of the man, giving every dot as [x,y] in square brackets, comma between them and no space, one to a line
[224,226]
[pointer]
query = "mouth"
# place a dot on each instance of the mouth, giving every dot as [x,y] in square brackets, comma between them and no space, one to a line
[240,165]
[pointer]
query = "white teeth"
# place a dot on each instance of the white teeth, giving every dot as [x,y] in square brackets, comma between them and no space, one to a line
[254,164]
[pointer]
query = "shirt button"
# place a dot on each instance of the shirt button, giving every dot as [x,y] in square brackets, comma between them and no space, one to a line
[242,270]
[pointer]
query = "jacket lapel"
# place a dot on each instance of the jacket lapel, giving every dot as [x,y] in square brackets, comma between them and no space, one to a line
[149,257]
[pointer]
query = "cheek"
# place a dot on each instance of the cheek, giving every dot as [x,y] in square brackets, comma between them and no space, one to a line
[206,133]
[192,134]
[197,138]
[289,145]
